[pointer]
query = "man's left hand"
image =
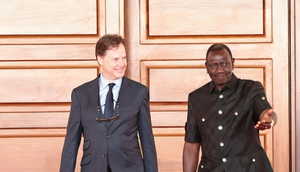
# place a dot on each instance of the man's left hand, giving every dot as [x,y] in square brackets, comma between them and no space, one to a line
[268,118]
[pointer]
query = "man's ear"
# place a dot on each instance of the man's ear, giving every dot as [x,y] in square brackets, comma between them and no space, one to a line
[206,67]
[100,60]
[232,62]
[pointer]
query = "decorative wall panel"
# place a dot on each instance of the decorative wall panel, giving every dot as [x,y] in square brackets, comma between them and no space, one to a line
[47,52]
[169,118]
[169,160]
[194,21]
[34,120]
[184,17]
[58,21]
[34,17]
[32,151]
[47,81]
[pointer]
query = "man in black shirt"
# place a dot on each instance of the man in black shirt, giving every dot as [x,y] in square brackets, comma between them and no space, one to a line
[224,117]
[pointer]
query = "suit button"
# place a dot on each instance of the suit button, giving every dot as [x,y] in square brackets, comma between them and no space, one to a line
[224,159]
[104,155]
[220,127]
[253,160]
[202,166]
[108,136]
[220,112]
[221,144]
[221,96]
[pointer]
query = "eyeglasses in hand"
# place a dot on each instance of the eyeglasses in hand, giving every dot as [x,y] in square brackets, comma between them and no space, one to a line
[111,119]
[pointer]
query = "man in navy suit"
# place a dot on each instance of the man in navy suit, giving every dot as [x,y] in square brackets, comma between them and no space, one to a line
[110,112]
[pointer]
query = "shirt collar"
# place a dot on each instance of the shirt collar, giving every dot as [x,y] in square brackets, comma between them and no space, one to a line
[104,82]
[232,84]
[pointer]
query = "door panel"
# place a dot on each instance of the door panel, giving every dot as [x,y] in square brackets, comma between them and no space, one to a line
[193,21]
[33,150]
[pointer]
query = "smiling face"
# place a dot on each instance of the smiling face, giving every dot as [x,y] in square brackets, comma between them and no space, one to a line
[219,66]
[113,63]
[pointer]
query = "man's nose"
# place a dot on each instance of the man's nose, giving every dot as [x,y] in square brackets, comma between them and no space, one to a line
[219,68]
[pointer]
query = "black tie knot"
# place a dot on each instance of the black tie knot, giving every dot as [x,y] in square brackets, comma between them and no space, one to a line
[111,85]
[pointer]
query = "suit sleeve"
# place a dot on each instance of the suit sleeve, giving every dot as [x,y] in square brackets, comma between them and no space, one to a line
[146,135]
[73,137]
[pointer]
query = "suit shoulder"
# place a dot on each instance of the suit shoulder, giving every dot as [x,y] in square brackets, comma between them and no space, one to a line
[200,90]
[136,84]
[85,85]
[250,83]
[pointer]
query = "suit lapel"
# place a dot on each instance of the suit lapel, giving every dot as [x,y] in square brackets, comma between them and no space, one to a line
[94,95]
[124,92]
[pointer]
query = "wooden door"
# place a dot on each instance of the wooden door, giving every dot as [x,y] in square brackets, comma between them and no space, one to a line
[168,40]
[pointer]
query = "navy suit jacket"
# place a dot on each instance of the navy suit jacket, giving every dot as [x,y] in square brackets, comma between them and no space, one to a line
[120,141]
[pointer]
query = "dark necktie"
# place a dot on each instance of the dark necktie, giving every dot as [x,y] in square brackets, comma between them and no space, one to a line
[109,108]
[109,103]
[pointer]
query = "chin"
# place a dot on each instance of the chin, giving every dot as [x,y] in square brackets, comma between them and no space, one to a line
[221,82]
[119,75]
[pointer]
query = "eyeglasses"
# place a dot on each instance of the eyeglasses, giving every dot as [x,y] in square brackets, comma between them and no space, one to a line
[215,65]
[111,119]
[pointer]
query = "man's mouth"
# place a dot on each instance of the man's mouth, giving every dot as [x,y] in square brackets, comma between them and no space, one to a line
[119,70]
[220,76]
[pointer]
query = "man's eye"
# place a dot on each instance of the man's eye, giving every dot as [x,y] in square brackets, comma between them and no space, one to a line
[214,65]
[224,64]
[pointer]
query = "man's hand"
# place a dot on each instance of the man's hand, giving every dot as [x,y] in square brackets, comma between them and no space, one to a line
[267,120]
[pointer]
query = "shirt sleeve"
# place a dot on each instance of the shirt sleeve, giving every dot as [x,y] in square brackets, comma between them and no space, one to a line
[191,128]
[260,102]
